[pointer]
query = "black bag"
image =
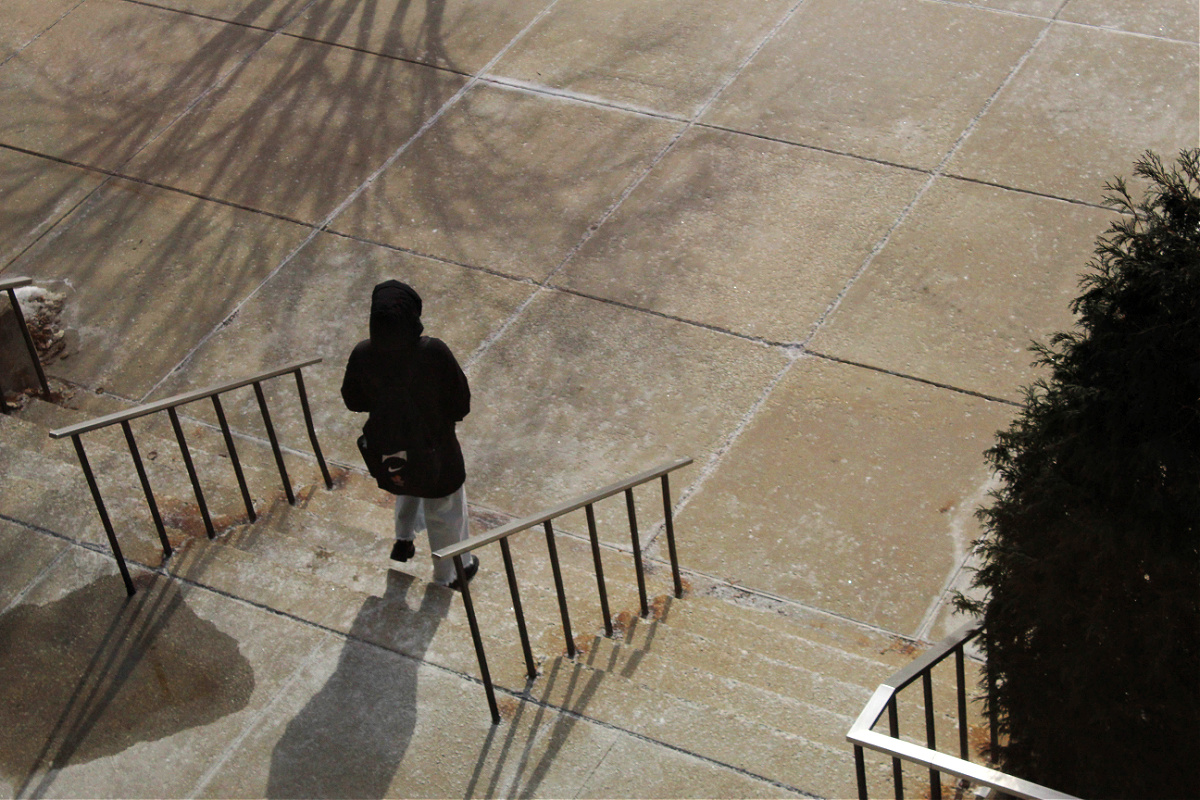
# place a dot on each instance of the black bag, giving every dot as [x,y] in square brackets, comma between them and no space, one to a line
[415,471]
[402,455]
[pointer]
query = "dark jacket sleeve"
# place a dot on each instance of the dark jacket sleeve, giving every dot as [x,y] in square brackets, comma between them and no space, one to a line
[354,385]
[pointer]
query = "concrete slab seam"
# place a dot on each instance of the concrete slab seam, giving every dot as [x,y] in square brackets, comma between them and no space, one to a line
[87,196]
[324,225]
[714,460]
[963,560]
[42,32]
[933,176]
[188,12]
[542,90]
[95,548]
[712,126]
[977,7]
[1120,32]
[914,378]
[584,781]
[20,596]
[204,93]
[649,740]
[592,229]
[1030,192]
[253,723]
[670,145]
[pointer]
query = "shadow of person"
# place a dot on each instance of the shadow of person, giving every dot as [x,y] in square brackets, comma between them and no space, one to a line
[350,738]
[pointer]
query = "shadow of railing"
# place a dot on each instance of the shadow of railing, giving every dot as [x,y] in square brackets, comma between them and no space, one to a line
[545,519]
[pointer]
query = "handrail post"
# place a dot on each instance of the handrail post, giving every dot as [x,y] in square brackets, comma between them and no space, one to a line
[993,729]
[29,345]
[191,471]
[860,772]
[477,639]
[960,671]
[935,777]
[666,494]
[595,538]
[103,512]
[266,416]
[894,732]
[312,431]
[558,587]
[511,572]
[145,481]
[233,457]
[637,553]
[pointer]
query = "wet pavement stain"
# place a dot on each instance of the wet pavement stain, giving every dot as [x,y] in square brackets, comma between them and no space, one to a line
[93,673]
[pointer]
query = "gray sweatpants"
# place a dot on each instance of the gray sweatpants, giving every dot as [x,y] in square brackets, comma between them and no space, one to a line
[444,517]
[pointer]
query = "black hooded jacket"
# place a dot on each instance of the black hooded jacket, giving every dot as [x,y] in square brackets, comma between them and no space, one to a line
[411,385]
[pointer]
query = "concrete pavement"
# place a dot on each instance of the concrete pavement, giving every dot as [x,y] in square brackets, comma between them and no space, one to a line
[805,242]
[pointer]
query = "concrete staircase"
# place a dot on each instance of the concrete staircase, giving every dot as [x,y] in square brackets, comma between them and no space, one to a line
[762,686]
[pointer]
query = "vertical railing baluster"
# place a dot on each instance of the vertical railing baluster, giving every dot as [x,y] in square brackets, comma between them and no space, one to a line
[29,345]
[993,728]
[510,570]
[312,431]
[894,732]
[860,772]
[191,471]
[233,458]
[604,612]
[558,587]
[637,553]
[145,481]
[103,512]
[935,777]
[477,639]
[960,670]
[266,416]
[667,511]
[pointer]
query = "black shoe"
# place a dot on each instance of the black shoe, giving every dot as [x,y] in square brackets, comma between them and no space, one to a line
[403,550]
[470,570]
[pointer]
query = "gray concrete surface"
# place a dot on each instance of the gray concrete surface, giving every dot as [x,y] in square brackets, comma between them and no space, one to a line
[805,242]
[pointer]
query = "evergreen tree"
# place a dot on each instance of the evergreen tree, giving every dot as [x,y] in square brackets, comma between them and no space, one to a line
[1091,547]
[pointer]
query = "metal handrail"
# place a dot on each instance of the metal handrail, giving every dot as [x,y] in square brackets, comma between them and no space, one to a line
[863,735]
[170,404]
[10,286]
[545,518]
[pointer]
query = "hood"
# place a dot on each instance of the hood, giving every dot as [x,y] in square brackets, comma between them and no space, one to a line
[395,316]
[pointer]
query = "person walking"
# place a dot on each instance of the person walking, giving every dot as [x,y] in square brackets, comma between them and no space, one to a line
[414,393]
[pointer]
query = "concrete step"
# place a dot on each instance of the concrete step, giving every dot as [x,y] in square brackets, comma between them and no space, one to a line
[293,539]
[728,737]
[402,613]
[810,678]
[789,694]
[787,656]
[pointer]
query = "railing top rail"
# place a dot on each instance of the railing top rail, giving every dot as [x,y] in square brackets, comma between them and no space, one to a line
[14,283]
[516,526]
[176,400]
[933,655]
[861,732]
[952,765]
